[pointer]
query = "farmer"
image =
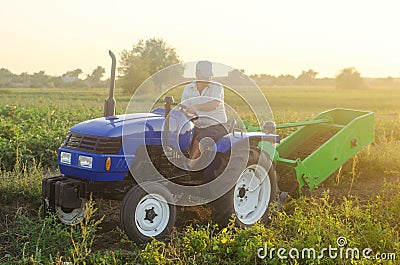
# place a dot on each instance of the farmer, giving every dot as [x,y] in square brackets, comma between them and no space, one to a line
[205,99]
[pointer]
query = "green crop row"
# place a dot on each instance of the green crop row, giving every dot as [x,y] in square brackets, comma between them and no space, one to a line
[318,223]
[36,132]
[34,123]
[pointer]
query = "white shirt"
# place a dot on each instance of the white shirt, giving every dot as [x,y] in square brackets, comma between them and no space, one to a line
[213,91]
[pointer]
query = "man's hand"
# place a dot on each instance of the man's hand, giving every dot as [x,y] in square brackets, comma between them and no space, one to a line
[208,106]
[192,108]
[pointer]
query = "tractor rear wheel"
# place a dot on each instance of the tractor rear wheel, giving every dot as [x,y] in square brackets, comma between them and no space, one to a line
[145,212]
[255,188]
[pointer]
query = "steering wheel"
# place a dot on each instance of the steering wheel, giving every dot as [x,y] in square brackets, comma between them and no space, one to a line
[191,116]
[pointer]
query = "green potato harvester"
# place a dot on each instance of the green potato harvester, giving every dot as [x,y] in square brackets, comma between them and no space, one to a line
[319,147]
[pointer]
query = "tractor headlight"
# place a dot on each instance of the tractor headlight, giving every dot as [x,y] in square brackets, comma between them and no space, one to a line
[85,161]
[65,158]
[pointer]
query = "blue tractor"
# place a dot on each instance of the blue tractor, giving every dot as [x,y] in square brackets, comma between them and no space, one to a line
[110,158]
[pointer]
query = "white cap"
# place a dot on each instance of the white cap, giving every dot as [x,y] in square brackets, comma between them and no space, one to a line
[204,69]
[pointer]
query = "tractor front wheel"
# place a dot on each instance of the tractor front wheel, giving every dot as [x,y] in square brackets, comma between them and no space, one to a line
[145,212]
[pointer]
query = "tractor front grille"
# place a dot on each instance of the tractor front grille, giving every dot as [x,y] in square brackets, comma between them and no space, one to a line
[93,144]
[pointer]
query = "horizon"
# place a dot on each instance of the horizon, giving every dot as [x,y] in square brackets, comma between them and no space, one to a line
[107,74]
[259,37]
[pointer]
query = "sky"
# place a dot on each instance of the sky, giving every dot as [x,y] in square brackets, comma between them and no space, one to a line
[272,37]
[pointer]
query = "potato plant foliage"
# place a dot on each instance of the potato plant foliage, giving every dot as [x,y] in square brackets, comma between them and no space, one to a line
[360,202]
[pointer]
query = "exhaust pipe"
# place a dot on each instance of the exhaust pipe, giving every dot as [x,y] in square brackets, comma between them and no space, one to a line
[109,104]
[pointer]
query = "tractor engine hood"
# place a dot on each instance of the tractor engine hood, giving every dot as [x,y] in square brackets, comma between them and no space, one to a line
[112,126]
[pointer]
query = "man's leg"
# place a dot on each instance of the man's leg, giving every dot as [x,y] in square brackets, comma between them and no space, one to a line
[214,132]
[194,153]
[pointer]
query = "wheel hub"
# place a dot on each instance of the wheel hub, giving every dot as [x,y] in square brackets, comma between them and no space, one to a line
[242,192]
[150,214]
[252,194]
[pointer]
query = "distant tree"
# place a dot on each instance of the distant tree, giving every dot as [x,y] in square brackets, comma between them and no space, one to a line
[25,78]
[325,81]
[265,79]
[94,79]
[5,77]
[385,82]
[285,80]
[144,59]
[307,78]
[75,73]
[235,77]
[349,78]
[134,74]
[71,79]
[39,79]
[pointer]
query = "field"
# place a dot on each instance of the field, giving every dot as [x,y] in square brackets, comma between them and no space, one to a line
[360,202]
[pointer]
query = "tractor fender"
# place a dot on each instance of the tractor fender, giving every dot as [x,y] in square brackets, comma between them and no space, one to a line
[230,140]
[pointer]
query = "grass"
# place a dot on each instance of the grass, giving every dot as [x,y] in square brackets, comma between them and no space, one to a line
[360,202]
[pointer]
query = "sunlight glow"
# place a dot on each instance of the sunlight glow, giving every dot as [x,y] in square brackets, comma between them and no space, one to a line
[273,37]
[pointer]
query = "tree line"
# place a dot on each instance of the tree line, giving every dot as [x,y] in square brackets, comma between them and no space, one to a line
[347,78]
[70,79]
[149,56]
